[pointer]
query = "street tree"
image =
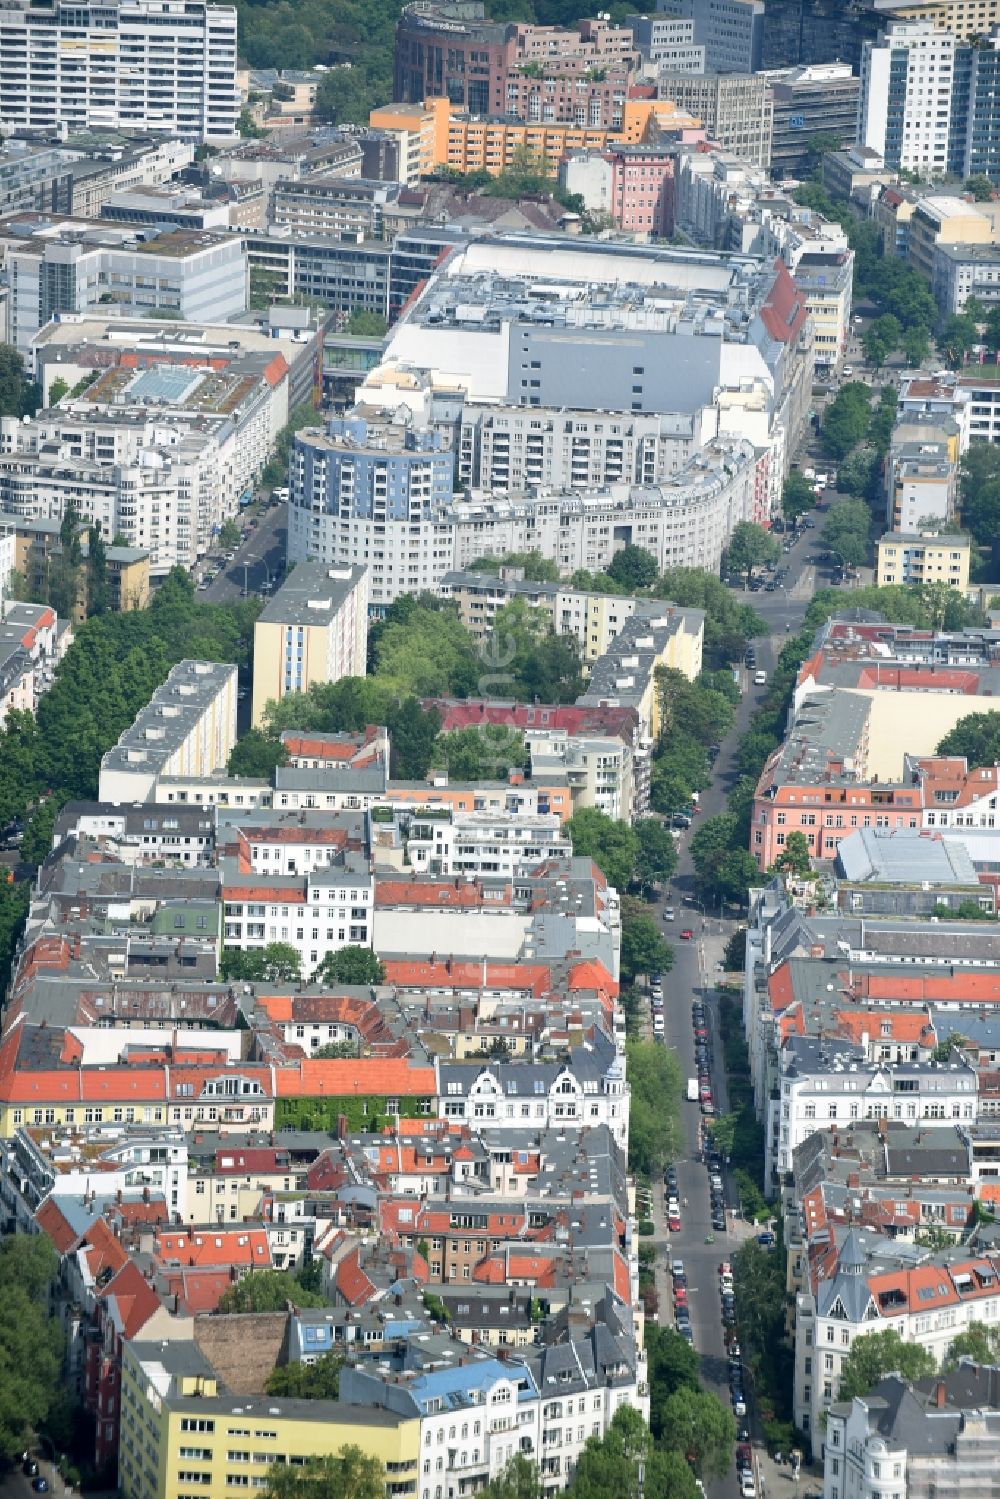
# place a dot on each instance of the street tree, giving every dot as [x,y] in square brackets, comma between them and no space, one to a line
[846,419]
[643,949]
[657,857]
[697,1425]
[31,1343]
[230,535]
[877,1354]
[518,1480]
[797,496]
[750,546]
[916,345]
[957,338]
[846,532]
[613,845]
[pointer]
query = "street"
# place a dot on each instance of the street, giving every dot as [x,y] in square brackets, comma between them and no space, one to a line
[693,974]
[260,558]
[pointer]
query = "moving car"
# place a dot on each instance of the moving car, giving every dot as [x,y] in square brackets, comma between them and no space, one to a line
[687,934]
[668,913]
[760,678]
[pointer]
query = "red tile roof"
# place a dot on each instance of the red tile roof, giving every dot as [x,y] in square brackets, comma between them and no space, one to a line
[213,1247]
[131,1300]
[51,1221]
[392,1078]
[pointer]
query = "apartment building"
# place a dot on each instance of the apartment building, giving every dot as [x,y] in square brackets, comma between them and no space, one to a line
[182,1429]
[735,109]
[824,1081]
[36,544]
[902,1438]
[594,618]
[905,557]
[314,630]
[975,145]
[905,102]
[449,50]
[921,482]
[154,66]
[981,385]
[943,221]
[59,265]
[506,448]
[436,134]
[961,271]
[469,844]
[964,19]
[165,483]
[187,728]
[599,772]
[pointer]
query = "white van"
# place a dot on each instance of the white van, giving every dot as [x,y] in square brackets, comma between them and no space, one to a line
[760,679]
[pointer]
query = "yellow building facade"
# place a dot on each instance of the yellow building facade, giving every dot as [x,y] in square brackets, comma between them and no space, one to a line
[903,558]
[183,1437]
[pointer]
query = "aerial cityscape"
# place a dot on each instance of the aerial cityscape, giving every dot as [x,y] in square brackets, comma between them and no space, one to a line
[500,749]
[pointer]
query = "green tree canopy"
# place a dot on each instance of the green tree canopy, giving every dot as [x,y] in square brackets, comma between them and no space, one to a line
[657,857]
[978,1341]
[19,396]
[268,1291]
[485,752]
[794,857]
[518,1480]
[696,1424]
[643,949]
[31,1344]
[956,339]
[729,624]
[613,846]
[846,532]
[256,756]
[525,658]
[277,963]
[625,1462]
[845,421]
[230,535]
[350,965]
[634,568]
[348,1475]
[797,496]
[536,568]
[318,1381]
[751,546]
[877,1354]
[654,1075]
[977,737]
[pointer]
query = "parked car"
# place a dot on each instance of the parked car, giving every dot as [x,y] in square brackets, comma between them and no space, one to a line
[668,913]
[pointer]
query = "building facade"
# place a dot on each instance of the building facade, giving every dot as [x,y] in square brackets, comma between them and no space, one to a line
[153,67]
[314,630]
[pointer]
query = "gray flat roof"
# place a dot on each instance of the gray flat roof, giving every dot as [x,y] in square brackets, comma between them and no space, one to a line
[312,594]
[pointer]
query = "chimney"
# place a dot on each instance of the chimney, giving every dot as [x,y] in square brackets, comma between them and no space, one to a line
[940,1395]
